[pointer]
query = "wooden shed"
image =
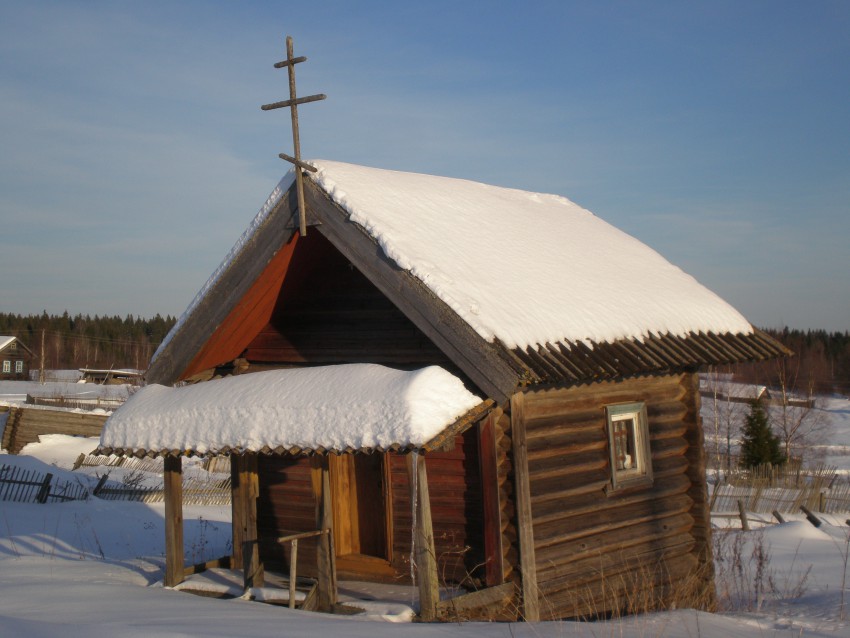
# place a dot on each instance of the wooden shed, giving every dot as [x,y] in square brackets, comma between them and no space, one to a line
[578,480]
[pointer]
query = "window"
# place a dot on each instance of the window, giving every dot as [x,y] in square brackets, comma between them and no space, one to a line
[628,442]
[19,366]
[7,366]
[13,347]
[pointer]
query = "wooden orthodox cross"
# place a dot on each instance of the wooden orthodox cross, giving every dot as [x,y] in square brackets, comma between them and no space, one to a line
[293,103]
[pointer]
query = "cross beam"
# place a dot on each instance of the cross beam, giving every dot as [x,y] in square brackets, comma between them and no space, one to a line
[292,103]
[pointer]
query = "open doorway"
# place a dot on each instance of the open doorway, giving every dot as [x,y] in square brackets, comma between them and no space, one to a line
[361,512]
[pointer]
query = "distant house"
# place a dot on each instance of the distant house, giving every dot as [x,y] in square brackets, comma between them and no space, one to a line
[722,389]
[573,486]
[15,359]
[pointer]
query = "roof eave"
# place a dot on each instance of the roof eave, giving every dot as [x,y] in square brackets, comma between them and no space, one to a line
[218,302]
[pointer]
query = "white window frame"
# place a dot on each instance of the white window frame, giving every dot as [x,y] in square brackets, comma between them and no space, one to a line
[7,366]
[638,464]
[19,366]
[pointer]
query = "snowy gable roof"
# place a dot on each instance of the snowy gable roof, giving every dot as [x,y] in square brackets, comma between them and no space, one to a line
[513,286]
[340,408]
[524,268]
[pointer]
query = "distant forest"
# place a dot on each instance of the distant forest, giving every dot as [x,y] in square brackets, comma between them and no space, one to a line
[85,341]
[821,364]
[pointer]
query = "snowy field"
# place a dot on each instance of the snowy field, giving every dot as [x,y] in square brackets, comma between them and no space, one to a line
[93,569]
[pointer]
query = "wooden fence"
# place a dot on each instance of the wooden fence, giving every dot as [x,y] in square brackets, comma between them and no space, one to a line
[195,492]
[30,486]
[213,465]
[782,489]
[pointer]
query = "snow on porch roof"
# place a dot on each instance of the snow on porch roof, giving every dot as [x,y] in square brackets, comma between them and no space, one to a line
[329,408]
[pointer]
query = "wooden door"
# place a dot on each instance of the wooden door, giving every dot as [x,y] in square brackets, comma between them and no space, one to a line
[360,498]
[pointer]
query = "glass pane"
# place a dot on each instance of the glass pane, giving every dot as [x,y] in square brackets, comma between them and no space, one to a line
[624,444]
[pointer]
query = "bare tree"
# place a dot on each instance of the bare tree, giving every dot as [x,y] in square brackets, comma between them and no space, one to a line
[795,414]
[727,415]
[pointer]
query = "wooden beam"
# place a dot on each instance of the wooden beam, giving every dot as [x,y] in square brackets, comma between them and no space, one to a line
[245,492]
[172,477]
[525,531]
[461,607]
[325,554]
[489,465]
[485,363]
[423,538]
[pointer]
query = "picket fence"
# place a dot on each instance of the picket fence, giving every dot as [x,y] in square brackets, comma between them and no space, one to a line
[782,489]
[31,486]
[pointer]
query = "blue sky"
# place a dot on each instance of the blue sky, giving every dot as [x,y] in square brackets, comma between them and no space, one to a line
[135,151]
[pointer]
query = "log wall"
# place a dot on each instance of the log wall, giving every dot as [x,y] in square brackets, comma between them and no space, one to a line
[24,425]
[633,550]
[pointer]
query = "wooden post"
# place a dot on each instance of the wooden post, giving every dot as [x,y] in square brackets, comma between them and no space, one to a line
[424,553]
[325,555]
[528,565]
[742,513]
[173,489]
[245,492]
[493,555]
[293,575]
[44,490]
[814,520]
[236,523]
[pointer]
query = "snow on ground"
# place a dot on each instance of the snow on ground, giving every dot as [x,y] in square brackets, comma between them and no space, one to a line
[94,569]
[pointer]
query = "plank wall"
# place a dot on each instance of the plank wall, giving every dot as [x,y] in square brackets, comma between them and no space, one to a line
[327,312]
[628,551]
[287,504]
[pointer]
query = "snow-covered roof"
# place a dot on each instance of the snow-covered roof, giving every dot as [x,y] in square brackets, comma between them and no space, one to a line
[524,268]
[541,289]
[5,341]
[345,407]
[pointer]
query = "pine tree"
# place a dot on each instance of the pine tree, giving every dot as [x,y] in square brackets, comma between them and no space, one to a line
[760,445]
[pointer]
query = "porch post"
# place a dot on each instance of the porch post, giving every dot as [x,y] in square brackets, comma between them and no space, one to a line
[423,538]
[489,455]
[325,553]
[172,477]
[245,486]
[527,562]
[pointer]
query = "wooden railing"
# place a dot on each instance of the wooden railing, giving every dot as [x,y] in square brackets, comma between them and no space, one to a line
[293,539]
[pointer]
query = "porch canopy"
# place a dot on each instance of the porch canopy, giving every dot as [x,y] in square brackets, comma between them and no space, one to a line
[338,408]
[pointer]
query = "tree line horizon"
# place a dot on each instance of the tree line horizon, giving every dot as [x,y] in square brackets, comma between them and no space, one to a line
[821,364]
